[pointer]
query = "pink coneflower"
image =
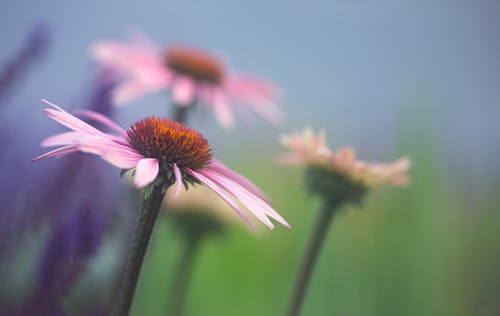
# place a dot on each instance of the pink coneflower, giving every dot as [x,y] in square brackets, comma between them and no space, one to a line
[157,148]
[190,74]
[308,149]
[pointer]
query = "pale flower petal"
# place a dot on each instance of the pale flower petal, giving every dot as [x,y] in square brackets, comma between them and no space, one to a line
[98,117]
[56,152]
[146,171]
[258,207]
[178,180]
[222,110]
[68,120]
[183,91]
[61,139]
[220,192]
[244,182]
[306,148]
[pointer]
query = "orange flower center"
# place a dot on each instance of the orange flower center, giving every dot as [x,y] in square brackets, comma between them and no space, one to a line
[170,142]
[195,63]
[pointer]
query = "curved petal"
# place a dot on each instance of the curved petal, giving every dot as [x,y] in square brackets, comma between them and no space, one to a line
[239,195]
[57,152]
[128,91]
[146,171]
[119,155]
[220,192]
[244,182]
[258,207]
[178,180]
[68,120]
[98,117]
[61,139]
[268,110]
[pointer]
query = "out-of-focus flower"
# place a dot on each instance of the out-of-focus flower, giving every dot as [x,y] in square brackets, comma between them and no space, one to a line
[307,149]
[34,47]
[191,75]
[161,152]
[75,240]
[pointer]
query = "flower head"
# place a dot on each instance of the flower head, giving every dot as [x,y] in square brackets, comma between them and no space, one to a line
[190,74]
[339,175]
[159,150]
[306,149]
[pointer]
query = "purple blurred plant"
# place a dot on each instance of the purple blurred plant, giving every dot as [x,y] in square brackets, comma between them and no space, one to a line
[34,47]
[59,198]
[73,242]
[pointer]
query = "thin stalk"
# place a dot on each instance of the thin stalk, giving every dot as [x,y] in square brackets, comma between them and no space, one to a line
[145,225]
[180,113]
[316,241]
[182,276]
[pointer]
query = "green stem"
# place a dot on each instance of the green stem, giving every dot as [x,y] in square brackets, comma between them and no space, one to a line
[318,236]
[183,272]
[145,224]
[180,113]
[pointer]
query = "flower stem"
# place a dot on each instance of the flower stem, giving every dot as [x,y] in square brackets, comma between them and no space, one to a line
[183,272]
[180,113]
[145,224]
[313,249]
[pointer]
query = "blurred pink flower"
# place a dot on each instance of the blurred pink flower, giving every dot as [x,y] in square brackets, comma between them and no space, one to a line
[306,148]
[190,74]
[159,147]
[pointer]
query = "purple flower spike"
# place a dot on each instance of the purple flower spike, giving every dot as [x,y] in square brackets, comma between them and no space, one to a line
[74,241]
[34,47]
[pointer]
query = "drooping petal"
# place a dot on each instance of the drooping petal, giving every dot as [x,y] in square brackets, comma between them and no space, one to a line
[183,91]
[57,152]
[61,139]
[68,120]
[268,110]
[254,203]
[119,155]
[220,192]
[256,94]
[134,88]
[239,195]
[98,117]
[244,182]
[178,180]
[222,109]
[146,171]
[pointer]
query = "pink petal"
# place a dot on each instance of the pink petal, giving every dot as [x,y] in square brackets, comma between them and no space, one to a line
[244,182]
[68,120]
[56,152]
[268,110]
[222,109]
[146,171]
[239,195]
[178,180]
[129,91]
[119,155]
[254,204]
[183,91]
[98,117]
[61,139]
[124,57]
[244,87]
[220,192]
